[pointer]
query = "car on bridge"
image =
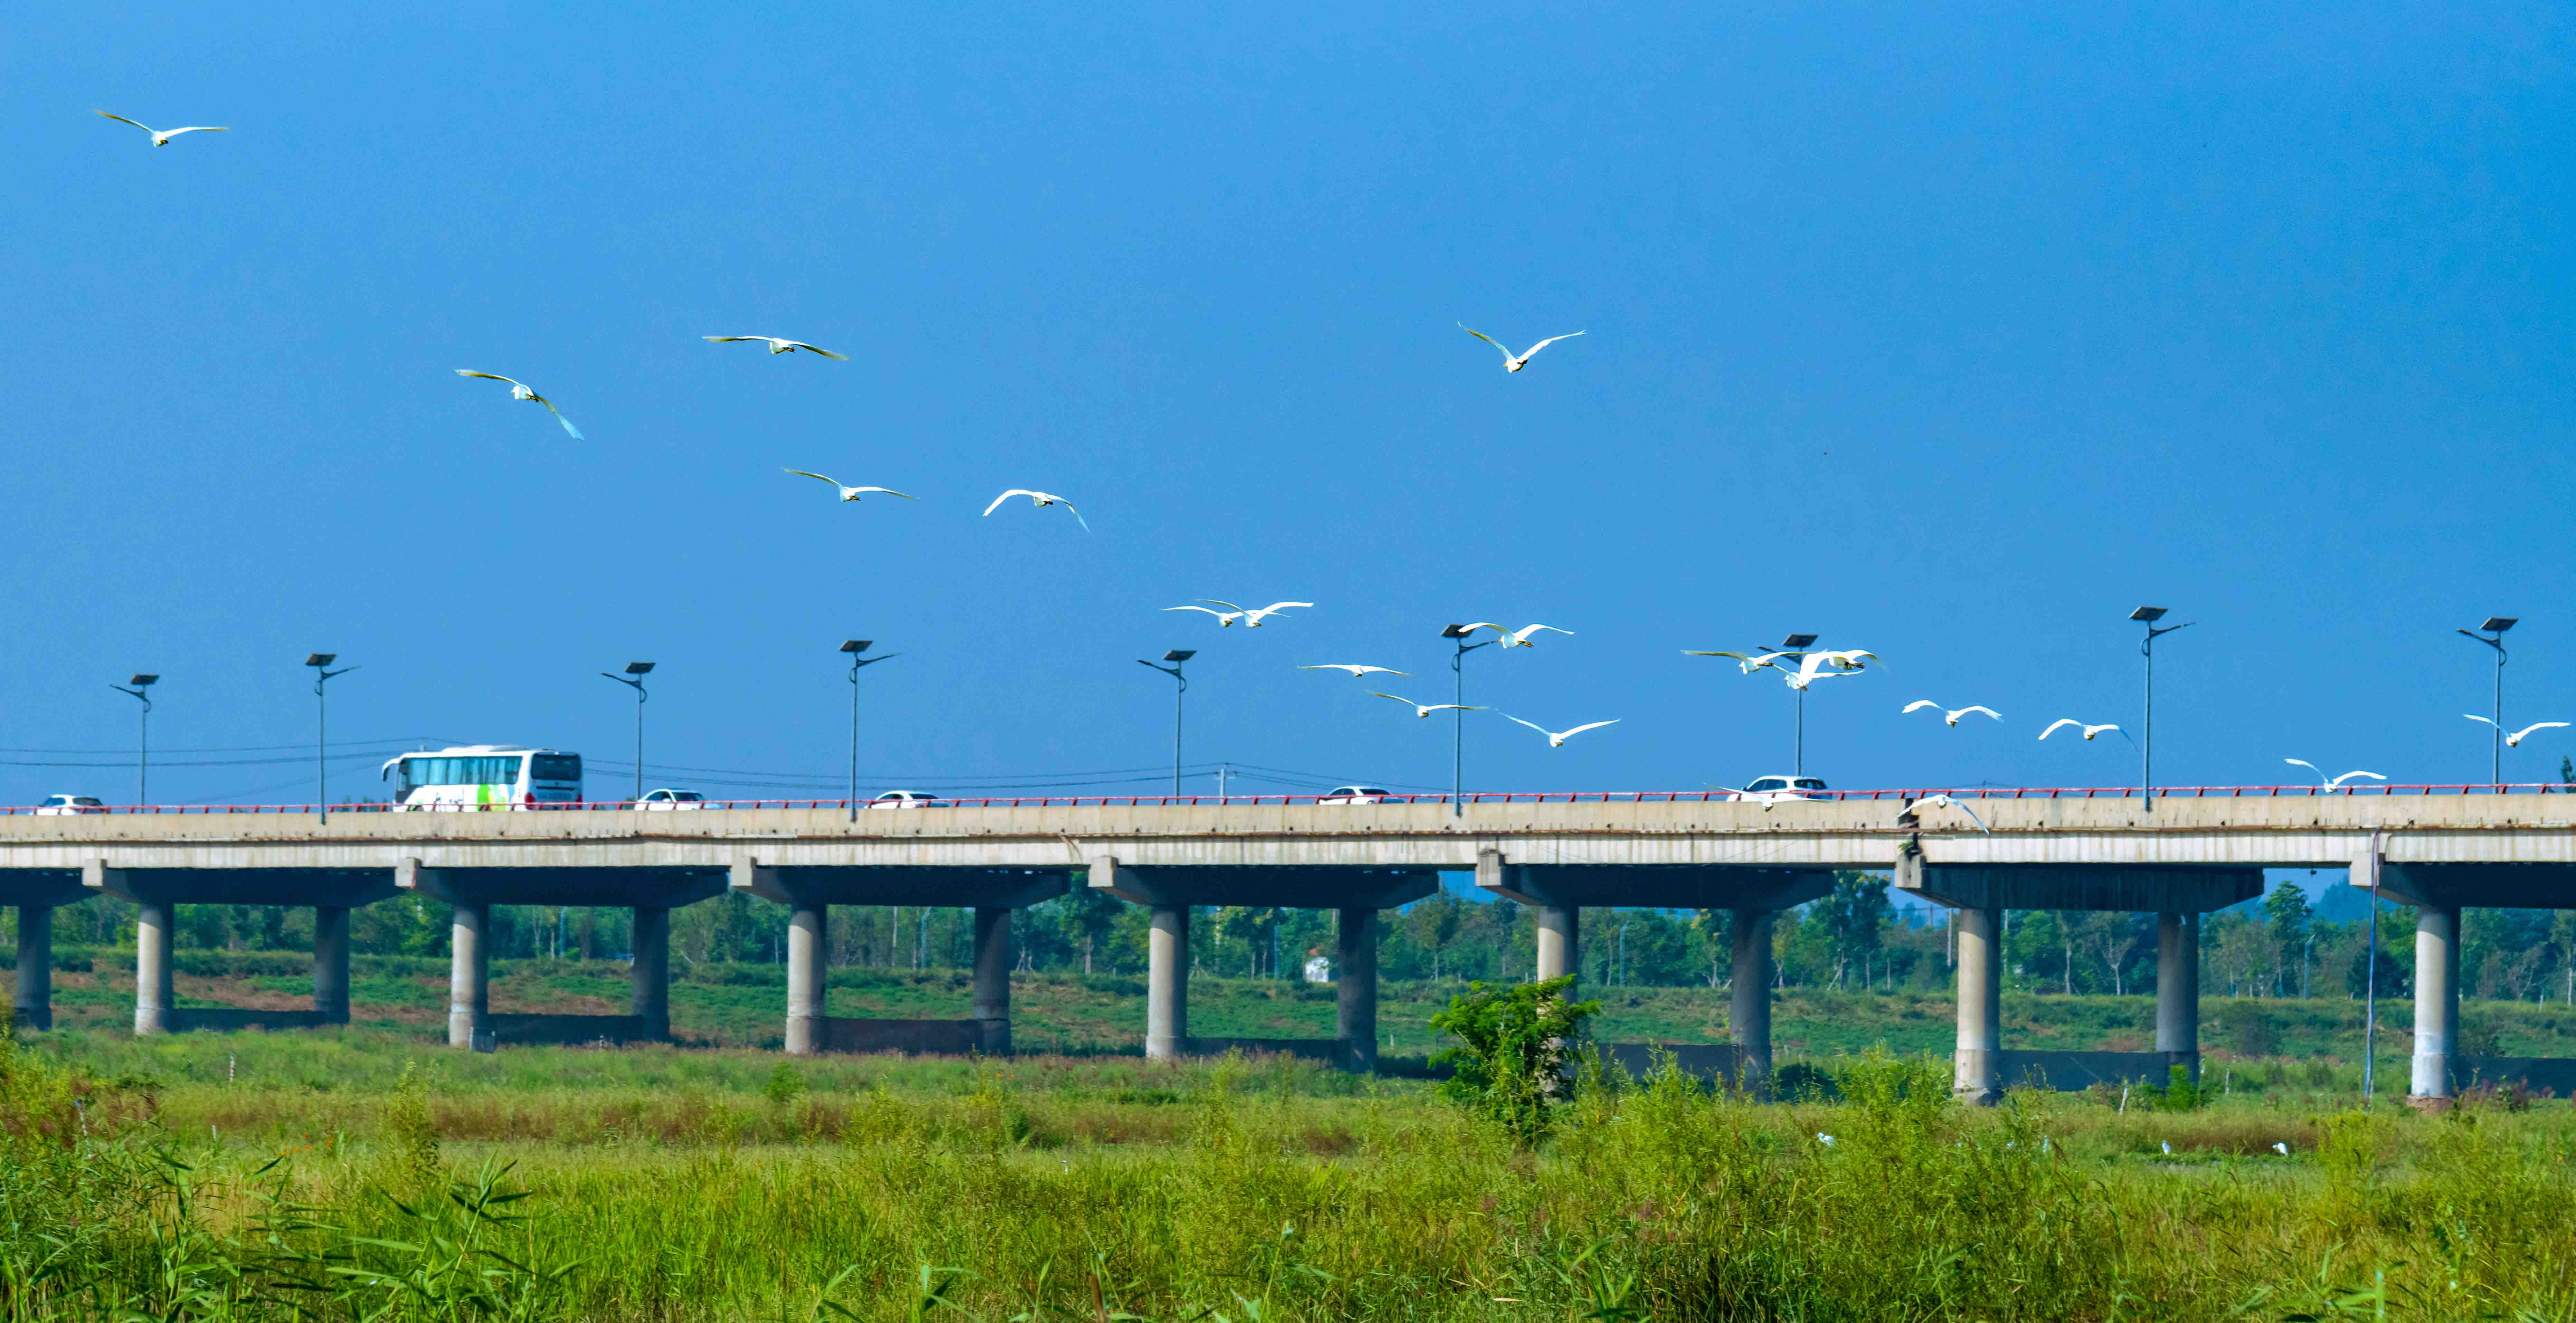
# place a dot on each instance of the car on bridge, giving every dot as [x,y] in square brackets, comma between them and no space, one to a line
[63,806]
[907,799]
[1353,795]
[669,800]
[1778,790]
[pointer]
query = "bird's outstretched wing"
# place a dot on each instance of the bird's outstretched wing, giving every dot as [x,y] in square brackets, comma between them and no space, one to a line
[1497,344]
[1426,709]
[575,432]
[1015,491]
[2479,719]
[818,349]
[1281,606]
[1218,614]
[123,120]
[1357,671]
[1694,652]
[193,128]
[1077,514]
[732,339]
[488,376]
[1397,697]
[1532,351]
[1222,602]
[2302,762]
[1595,725]
[2060,724]
[1954,716]
[2537,725]
[1522,636]
[2350,775]
[1465,630]
[1919,704]
[834,483]
[889,491]
[1531,724]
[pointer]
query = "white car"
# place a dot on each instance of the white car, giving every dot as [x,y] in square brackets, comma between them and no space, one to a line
[671,799]
[1353,795]
[64,806]
[906,799]
[1777,790]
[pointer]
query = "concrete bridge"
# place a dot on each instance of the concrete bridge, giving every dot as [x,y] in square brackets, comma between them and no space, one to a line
[2176,857]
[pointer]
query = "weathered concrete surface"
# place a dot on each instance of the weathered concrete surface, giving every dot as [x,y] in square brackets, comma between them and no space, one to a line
[32,1004]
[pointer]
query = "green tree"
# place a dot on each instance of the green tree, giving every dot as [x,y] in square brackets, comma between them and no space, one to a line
[1433,924]
[1515,1043]
[1855,915]
[2287,909]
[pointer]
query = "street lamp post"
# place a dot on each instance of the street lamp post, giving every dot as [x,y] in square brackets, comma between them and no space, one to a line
[143,746]
[322,675]
[2148,616]
[1458,716]
[854,647]
[1796,645]
[1178,657]
[634,679]
[2493,637]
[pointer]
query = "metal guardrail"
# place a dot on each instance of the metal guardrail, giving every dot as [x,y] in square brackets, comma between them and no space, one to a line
[1340,801]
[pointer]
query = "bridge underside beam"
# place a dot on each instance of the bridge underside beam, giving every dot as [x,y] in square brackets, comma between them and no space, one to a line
[2479,886]
[958,888]
[1290,887]
[2130,890]
[632,888]
[42,886]
[334,888]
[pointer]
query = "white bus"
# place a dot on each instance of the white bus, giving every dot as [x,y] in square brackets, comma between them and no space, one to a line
[484,776]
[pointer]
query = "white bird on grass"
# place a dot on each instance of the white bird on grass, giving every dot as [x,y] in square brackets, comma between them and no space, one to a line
[777,344]
[1943,801]
[2514,739]
[1824,1139]
[2168,1145]
[1556,739]
[1426,709]
[519,391]
[1251,619]
[2089,731]
[848,493]
[1040,499]
[1512,362]
[1948,716]
[162,137]
[1356,671]
[2334,782]
[2282,1149]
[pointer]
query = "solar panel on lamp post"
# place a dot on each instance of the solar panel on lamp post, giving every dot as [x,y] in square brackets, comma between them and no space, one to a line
[634,679]
[322,675]
[2493,637]
[854,647]
[1458,716]
[1178,657]
[143,746]
[2148,616]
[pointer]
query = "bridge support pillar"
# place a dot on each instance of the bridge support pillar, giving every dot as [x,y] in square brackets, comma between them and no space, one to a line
[331,963]
[469,973]
[1748,1018]
[2437,998]
[156,928]
[648,995]
[34,1002]
[1559,928]
[1355,988]
[808,928]
[2178,990]
[1167,984]
[991,1007]
[1980,993]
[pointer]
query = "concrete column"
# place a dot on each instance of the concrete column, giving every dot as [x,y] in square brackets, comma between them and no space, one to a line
[807,928]
[1981,1011]
[1167,984]
[2437,998]
[991,1008]
[469,974]
[1355,988]
[331,963]
[156,927]
[1558,930]
[648,980]
[34,1002]
[1748,1019]
[2178,991]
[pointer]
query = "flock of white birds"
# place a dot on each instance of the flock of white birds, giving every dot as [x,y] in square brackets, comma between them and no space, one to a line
[1801,669]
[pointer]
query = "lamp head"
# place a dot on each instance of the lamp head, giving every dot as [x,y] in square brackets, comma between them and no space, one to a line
[1454,632]
[144,681]
[855,646]
[1180,654]
[2148,614]
[1796,641]
[2499,624]
[319,659]
[639,668]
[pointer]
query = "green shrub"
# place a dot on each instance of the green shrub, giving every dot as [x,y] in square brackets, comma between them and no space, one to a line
[1515,1043]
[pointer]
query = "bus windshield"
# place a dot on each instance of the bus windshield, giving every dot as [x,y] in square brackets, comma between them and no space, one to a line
[555,767]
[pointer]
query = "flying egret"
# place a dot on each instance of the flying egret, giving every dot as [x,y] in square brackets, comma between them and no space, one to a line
[1040,499]
[1356,671]
[1748,662]
[1426,709]
[1942,801]
[2331,783]
[777,344]
[1556,739]
[2514,739]
[519,391]
[848,493]
[2089,731]
[1513,363]
[162,137]
[1948,716]
[1520,638]
[1252,619]
[1811,667]
[1223,618]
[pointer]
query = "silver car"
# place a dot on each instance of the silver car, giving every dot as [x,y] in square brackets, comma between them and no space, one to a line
[64,806]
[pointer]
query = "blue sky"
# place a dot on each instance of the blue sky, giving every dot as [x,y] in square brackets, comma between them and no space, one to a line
[1941,331]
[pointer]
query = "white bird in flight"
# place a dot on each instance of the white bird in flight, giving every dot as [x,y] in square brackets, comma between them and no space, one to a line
[1512,362]
[2331,783]
[1041,499]
[2514,739]
[1356,671]
[162,137]
[1426,709]
[1223,618]
[1509,638]
[2089,731]
[1949,716]
[519,391]
[1556,738]
[777,344]
[1747,662]
[1944,801]
[1251,619]
[1811,667]
[848,493]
